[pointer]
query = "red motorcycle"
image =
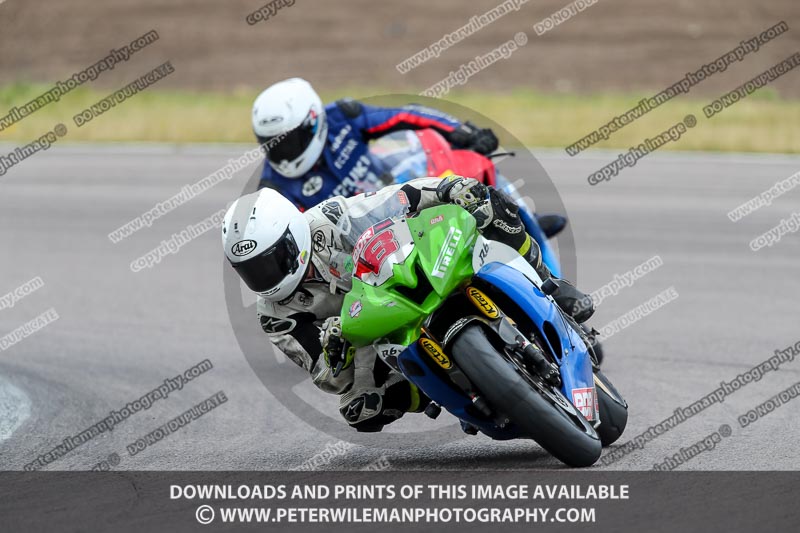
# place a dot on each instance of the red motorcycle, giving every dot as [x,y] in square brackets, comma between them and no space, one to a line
[410,154]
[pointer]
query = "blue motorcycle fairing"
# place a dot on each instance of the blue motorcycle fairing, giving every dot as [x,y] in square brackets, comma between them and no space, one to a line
[571,353]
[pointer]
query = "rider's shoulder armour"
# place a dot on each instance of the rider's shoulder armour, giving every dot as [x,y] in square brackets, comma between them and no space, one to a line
[351,108]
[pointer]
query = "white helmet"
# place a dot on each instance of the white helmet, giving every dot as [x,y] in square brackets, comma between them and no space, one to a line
[289,121]
[268,241]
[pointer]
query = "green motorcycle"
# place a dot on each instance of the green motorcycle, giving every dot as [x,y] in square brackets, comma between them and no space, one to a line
[470,323]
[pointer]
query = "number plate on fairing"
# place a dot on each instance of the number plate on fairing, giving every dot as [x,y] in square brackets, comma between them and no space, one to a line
[380,248]
[487,251]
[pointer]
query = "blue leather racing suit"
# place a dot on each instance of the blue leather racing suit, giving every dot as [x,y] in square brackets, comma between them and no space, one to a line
[346,167]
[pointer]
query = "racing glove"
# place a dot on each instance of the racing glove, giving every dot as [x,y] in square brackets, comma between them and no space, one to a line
[470,137]
[497,218]
[338,353]
[468,193]
[496,213]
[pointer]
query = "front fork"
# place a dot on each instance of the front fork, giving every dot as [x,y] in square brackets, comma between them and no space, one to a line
[515,345]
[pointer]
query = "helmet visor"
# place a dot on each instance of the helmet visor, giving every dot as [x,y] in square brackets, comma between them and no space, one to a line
[266,270]
[291,145]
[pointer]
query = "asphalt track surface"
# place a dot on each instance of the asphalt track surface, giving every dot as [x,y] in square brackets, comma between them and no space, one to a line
[120,334]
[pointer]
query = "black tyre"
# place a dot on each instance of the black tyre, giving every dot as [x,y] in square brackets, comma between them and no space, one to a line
[613,410]
[541,414]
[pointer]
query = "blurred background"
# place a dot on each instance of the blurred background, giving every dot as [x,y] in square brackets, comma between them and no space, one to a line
[555,89]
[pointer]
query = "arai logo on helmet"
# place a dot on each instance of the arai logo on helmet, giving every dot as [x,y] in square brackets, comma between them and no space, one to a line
[243,247]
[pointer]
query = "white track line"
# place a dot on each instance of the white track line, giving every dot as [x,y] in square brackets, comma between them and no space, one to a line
[15,409]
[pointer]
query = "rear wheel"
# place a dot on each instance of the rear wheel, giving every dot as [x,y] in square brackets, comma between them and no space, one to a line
[540,412]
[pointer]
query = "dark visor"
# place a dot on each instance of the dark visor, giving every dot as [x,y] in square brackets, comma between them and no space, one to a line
[264,271]
[289,146]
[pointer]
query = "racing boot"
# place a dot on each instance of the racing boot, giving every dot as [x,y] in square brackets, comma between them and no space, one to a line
[551,225]
[575,303]
[368,410]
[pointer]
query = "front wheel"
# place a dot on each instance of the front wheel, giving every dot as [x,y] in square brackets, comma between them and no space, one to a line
[540,412]
[613,410]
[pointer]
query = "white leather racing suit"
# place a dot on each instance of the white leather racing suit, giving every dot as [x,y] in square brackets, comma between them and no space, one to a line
[293,325]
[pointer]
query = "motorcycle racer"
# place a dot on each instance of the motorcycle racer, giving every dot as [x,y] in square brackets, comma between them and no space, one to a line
[315,151]
[300,266]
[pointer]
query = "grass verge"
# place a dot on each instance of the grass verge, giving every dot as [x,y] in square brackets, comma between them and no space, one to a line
[763,122]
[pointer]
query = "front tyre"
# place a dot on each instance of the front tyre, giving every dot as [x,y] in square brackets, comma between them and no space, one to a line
[613,410]
[548,418]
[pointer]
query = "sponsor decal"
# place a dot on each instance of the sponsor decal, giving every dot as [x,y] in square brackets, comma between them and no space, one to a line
[586,401]
[436,220]
[277,326]
[383,224]
[344,156]
[502,225]
[483,303]
[362,241]
[303,256]
[483,253]
[355,309]
[335,273]
[402,198]
[312,186]
[319,242]
[311,120]
[332,211]
[271,120]
[360,171]
[389,352]
[243,247]
[436,353]
[448,252]
[340,137]
[303,299]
